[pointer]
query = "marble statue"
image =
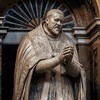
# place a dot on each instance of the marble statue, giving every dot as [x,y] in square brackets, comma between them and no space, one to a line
[47,65]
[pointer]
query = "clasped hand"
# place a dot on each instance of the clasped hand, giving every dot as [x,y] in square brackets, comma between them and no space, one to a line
[66,54]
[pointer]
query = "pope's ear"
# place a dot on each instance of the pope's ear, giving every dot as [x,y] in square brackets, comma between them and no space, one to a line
[47,20]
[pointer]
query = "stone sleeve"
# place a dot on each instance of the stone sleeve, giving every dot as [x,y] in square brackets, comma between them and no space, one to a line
[47,65]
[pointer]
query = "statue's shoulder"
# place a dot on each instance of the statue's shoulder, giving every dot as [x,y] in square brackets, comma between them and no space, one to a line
[35,32]
[64,35]
[67,38]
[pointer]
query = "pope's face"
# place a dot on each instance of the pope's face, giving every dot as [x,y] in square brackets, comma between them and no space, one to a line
[54,23]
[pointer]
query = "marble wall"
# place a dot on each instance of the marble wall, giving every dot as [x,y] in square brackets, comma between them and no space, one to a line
[89,54]
[96,66]
[84,57]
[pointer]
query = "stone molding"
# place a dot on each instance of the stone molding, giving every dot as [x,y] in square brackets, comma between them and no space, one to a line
[87,35]
[1,19]
[3,31]
[82,35]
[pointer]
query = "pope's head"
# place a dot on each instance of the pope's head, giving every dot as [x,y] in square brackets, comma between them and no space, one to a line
[54,20]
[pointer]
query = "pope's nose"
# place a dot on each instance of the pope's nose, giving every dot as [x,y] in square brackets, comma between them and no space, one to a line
[59,23]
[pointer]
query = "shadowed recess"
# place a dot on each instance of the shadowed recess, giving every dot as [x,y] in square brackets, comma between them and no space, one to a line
[28,14]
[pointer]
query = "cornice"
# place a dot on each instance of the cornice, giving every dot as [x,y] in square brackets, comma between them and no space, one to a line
[83,35]
[1,19]
[89,34]
[3,31]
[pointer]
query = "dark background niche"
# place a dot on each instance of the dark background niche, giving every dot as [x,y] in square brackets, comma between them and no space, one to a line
[8,63]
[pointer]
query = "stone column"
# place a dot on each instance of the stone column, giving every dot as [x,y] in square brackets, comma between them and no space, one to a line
[3,32]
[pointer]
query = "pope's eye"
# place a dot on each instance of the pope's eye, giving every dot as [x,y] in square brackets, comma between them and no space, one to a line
[56,20]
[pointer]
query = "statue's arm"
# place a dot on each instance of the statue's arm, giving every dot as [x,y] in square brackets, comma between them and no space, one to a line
[73,68]
[47,65]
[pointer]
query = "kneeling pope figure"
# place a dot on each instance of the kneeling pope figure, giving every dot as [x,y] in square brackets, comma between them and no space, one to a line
[47,65]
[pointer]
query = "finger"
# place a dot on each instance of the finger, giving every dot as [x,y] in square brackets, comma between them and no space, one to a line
[68,47]
[68,54]
[70,50]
